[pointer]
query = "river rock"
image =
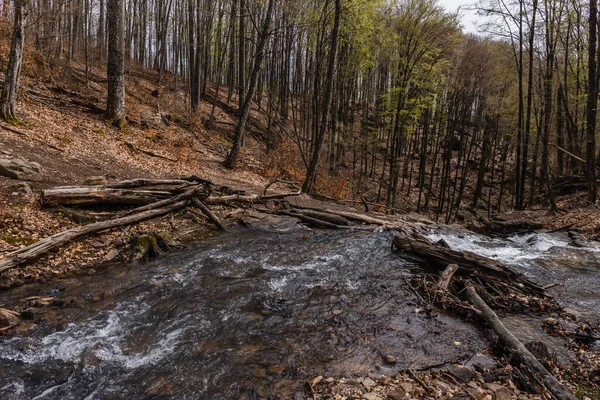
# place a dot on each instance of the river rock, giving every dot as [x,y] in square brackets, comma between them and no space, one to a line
[460,372]
[499,392]
[23,170]
[315,381]
[112,254]
[389,359]
[370,396]
[8,318]
[396,394]
[368,384]
[160,387]
[275,369]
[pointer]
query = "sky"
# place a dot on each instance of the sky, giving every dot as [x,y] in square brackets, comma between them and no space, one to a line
[468,17]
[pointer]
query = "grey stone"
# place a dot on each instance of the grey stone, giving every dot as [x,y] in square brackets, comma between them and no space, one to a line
[112,254]
[499,392]
[23,188]
[396,394]
[389,359]
[460,372]
[368,384]
[97,245]
[370,396]
[21,169]
[407,386]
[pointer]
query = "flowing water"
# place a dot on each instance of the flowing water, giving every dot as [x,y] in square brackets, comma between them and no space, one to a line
[247,314]
[548,259]
[254,313]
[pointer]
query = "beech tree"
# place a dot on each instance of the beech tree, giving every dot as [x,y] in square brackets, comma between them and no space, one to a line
[115,100]
[8,98]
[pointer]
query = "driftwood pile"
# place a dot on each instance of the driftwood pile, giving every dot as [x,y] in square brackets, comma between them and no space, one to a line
[473,277]
[152,198]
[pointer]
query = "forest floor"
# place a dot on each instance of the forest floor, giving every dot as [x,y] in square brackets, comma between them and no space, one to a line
[63,131]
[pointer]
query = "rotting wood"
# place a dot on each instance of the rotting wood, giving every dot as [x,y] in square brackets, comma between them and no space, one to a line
[517,348]
[99,195]
[350,216]
[163,203]
[447,276]
[324,216]
[247,198]
[314,222]
[140,182]
[469,264]
[209,214]
[43,246]
[137,192]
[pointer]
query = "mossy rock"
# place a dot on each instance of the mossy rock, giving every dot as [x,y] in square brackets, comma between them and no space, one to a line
[146,246]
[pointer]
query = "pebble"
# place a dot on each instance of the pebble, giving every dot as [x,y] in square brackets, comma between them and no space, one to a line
[396,394]
[368,384]
[461,373]
[97,245]
[370,396]
[389,359]
[275,369]
[407,386]
[112,254]
[315,381]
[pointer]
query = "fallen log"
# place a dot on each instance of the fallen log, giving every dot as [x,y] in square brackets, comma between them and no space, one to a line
[208,213]
[99,195]
[251,199]
[470,264]
[141,182]
[43,246]
[324,216]
[516,348]
[447,276]
[163,203]
[314,222]
[126,193]
[350,216]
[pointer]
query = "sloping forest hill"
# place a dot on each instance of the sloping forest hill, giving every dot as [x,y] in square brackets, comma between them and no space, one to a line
[378,103]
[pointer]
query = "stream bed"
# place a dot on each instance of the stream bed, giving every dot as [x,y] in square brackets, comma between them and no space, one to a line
[255,313]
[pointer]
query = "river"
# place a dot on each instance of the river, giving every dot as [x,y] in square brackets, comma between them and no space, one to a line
[254,313]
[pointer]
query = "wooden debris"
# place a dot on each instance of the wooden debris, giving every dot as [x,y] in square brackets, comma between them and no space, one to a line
[50,243]
[208,213]
[471,264]
[447,276]
[99,195]
[130,192]
[516,348]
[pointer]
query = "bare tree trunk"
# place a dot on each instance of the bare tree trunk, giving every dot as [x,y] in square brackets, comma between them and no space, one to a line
[245,111]
[115,102]
[8,99]
[314,163]
[592,105]
[101,34]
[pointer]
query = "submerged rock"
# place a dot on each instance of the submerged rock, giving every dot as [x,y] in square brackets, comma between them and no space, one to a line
[463,374]
[160,387]
[9,318]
